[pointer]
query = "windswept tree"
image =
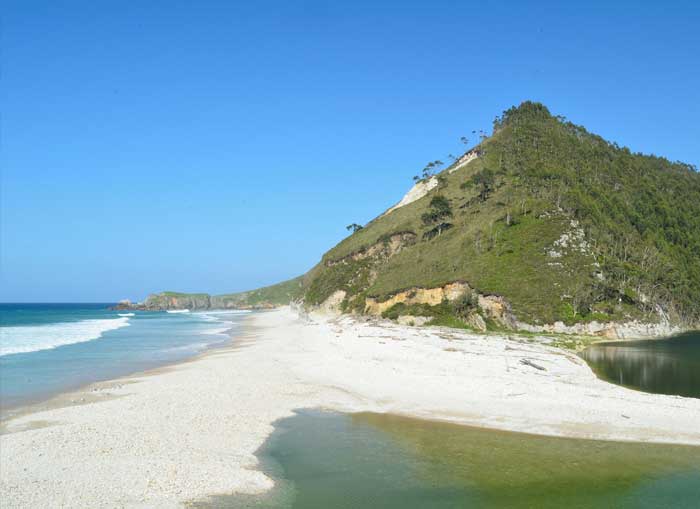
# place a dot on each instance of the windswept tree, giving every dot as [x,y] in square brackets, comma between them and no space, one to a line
[430,170]
[485,182]
[439,209]
[354,227]
[438,213]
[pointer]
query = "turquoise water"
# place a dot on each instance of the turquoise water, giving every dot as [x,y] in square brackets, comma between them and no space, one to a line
[46,349]
[328,460]
[662,366]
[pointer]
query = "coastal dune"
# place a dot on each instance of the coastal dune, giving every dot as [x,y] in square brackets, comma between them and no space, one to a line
[186,432]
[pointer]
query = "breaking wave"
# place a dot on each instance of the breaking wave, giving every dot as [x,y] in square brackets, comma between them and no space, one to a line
[32,338]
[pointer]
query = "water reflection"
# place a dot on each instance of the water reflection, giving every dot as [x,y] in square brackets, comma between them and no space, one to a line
[665,366]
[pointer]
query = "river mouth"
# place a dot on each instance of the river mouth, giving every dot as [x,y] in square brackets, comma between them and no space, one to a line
[331,460]
[662,366]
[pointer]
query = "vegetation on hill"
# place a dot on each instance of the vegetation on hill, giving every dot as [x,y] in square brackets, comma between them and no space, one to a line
[266,297]
[562,224]
[274,295]
[558,221]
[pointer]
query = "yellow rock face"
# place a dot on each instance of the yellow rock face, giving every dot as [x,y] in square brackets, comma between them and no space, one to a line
[430,296]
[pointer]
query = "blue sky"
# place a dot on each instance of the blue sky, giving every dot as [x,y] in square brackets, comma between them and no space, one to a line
[219,146]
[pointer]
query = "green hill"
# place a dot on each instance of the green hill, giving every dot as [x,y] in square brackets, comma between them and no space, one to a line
[268,296]
[541,222]
[543,219]
[262,298]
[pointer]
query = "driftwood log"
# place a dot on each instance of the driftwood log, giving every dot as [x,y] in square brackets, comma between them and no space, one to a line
[528,362]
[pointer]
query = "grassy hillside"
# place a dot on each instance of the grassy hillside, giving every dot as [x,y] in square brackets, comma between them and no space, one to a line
[269,296]
[274,295]
[561,223]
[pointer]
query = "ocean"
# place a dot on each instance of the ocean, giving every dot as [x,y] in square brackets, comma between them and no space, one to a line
[46,349]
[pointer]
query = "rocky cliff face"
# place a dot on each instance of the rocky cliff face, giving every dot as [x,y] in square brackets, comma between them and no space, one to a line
[169,301]
[499,312]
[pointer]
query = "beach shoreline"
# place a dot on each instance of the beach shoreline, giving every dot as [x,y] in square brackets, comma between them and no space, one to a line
[190,430]
[58,397]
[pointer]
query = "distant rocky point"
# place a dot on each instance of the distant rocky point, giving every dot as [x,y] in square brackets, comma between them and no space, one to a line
[263,298]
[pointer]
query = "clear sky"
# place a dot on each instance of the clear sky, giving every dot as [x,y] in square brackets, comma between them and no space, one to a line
[219,146]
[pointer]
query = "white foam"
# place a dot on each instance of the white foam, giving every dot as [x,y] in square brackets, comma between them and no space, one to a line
[32,338]
[126,314]
[215,332]
[178,311]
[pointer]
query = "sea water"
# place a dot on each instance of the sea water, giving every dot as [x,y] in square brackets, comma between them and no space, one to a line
[46,349]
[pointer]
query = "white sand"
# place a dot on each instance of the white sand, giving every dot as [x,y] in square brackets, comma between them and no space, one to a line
[189,431]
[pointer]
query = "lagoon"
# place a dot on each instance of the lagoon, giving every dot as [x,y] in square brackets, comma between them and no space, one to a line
[322,460]
[662,366]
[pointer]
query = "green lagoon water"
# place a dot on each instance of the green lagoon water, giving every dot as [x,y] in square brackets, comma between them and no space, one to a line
[663,366]
[329,460]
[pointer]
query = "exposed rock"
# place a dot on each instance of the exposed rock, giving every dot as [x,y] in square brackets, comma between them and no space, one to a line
[609,330]
[476,322]
[124,304]
[170,301]
[497,309]
[385,248]
[417,192]
[464,160]
[430,296]
[332,304]
[423,187]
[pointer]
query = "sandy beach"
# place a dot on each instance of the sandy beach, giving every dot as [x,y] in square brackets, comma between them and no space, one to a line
[188,431]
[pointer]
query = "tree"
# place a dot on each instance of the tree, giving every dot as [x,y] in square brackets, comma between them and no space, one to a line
[354,227]
[439,210]
[430,170]
[485,181]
